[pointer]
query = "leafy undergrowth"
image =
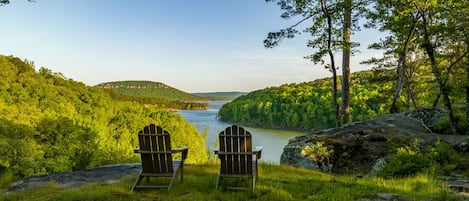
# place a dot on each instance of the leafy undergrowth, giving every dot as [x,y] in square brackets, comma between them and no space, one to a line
[274,183]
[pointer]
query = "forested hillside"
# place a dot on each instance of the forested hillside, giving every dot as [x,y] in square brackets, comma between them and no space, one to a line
[159,102]
[49,124]
[309,105]
[150,89]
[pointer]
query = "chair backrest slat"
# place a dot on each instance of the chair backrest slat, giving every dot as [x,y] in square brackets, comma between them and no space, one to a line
[229,148]
[155,147]
[242,161]
[145,144]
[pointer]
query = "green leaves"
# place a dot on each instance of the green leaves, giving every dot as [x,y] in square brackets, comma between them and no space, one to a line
[307,105]
[49,124]
[409,160]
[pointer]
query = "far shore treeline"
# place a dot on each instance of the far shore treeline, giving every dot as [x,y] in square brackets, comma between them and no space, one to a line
[308,105]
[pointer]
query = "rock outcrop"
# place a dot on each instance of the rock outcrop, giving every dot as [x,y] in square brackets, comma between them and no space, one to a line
[360,146]
[105,174]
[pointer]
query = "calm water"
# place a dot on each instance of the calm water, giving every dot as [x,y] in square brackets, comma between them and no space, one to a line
[272,140]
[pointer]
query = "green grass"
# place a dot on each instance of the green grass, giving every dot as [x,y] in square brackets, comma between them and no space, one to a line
[274,183]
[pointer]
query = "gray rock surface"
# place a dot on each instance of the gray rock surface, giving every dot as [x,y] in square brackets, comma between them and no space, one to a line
[361,146]
[385,197]
[105,174]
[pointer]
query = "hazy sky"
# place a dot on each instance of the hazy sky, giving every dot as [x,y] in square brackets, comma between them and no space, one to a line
[192,45]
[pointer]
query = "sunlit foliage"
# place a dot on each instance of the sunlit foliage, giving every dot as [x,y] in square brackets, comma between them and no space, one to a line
[50,124]
[308,105]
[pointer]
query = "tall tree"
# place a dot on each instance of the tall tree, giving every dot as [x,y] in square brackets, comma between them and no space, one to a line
[460,20]
[400,44]
[432,26]
[438,28]
[329,48]
[330,32]
[346,61]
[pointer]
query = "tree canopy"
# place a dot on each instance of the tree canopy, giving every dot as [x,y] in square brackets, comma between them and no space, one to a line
[51,124]
[419,34]
[306,105]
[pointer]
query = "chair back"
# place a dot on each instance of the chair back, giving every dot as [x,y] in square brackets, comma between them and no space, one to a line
[235,151]
[155,150]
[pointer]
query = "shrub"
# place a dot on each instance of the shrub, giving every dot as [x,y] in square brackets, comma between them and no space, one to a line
[410,160]
[320,154]
[407,160]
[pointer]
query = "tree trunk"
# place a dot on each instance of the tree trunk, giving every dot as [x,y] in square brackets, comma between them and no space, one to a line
[411,94]
[399,84]
[331,57]
[334,93]
[401,71]
[444,91]
[346,62]
[437,99]
[467,91]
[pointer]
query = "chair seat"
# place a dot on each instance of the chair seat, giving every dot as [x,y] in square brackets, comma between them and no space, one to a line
[176,164]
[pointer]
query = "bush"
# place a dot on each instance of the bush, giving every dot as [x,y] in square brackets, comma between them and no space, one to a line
[443,158]
[409,160]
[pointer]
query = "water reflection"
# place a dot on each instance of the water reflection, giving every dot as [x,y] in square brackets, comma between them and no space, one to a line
[272,140]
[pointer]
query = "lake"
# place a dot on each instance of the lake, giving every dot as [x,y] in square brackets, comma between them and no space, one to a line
[273,140]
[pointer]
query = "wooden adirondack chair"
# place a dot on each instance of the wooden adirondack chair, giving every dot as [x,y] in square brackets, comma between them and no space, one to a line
[156,154]
[237,159]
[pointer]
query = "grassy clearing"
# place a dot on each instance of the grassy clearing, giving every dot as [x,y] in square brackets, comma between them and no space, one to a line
[274,183]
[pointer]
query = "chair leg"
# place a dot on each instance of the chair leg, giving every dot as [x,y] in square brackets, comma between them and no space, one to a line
[253,183]
[218,182]
[257,169]
[172,180]
[137,182]
[182,171]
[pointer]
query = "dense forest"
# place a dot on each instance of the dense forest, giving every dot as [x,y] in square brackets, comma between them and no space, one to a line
[155,94]
[50,124]
[150,89]
[159,102]
[308,105]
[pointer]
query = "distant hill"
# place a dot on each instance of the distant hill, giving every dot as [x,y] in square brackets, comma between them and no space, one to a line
[150,89]
[220,95]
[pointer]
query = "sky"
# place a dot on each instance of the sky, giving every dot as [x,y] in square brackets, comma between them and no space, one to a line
[194,46]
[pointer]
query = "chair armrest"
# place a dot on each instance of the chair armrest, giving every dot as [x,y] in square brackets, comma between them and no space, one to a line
[183,150]
[258,152]
[217,152]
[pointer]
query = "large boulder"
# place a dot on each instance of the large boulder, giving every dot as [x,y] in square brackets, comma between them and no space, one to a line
[360,146]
